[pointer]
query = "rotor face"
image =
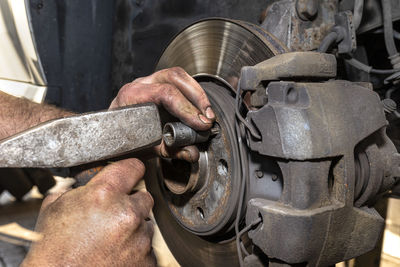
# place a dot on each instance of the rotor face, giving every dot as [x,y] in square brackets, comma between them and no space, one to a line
[220,48]
[194,223]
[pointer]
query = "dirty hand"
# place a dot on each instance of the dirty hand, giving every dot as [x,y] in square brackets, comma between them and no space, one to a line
[180,95]
[100,224]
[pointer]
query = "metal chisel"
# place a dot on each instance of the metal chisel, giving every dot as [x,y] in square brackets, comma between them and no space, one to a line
[84,138]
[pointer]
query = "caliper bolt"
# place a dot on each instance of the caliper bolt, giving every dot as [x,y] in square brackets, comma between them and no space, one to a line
[259,174]
[389,106]
[307,9]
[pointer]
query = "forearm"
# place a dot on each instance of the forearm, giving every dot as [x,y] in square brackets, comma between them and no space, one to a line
[18,114]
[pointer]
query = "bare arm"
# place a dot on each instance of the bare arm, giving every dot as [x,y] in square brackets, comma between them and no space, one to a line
[18,114]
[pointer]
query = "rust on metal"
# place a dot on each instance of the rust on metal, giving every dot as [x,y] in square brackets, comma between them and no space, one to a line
[84,138]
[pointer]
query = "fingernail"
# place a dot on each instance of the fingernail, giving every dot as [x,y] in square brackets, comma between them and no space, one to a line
[210,113]
[204,119]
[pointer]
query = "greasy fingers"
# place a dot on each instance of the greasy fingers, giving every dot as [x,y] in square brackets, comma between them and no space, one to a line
[100,216]
[176,91]
[120,176]
[186,84]
[163,94]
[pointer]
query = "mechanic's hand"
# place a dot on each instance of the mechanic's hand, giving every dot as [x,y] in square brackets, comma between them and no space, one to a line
[180,95]
[99,224]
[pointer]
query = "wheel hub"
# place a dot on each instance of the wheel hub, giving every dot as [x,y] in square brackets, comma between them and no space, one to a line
[203,196]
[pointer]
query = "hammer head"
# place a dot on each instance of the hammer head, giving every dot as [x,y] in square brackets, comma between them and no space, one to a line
[83,138]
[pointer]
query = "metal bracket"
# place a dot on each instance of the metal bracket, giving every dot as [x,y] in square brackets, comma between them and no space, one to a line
[289,66]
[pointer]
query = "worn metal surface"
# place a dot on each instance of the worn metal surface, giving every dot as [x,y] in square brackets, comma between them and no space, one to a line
[304,32]
[307,9]
[293,65]
[302,24]
[347,32]
[220,47]
[213,51]
[177,134]
[372,13]
[377,168]
[301,171]
[312,132]
[191,179]
[84,138]
[304,116]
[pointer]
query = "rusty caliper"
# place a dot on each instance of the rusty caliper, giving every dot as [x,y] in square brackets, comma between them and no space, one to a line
[328,138]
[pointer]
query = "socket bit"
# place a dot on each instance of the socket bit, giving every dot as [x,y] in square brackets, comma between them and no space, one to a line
[177,134]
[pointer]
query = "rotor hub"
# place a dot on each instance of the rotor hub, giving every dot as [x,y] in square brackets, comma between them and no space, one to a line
[203,196]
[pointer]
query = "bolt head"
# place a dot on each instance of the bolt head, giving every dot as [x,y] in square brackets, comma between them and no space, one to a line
[307,9]
[259,174]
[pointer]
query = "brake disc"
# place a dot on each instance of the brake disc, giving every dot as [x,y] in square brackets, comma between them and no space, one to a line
[219,48]
[197,225]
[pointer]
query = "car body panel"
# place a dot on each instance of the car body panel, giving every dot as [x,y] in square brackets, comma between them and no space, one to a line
[21,71]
